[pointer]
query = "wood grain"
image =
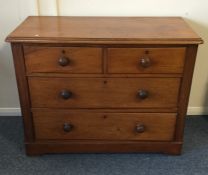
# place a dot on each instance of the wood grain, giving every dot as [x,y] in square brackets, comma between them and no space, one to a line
[104,126]
[102,109]
[162,60]
[104,92]
[104,75]
[24,95]
[91,146]
[45,59]
[185,90]
[125,30]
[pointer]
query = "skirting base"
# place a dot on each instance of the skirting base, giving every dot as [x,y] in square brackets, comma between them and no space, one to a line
[173,148]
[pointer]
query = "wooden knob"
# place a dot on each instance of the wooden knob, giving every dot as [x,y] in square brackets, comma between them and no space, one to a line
[63,61]
[65,94]
[140,128]
[142,94]
[145,62]
[67,127]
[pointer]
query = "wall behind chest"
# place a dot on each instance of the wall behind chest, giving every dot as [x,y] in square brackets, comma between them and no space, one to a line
[15,11]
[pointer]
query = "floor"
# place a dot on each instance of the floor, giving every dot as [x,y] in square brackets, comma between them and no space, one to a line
[193,161]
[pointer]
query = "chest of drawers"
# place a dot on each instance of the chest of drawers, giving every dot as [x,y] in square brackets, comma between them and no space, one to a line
[103,84]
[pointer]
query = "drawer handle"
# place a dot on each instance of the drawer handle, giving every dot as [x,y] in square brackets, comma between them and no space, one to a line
[145,62]
[63,61]
[142,94]
[140,128]
[67,127]
[65,94]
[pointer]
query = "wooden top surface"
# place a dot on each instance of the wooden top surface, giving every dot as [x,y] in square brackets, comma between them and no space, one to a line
[125,30]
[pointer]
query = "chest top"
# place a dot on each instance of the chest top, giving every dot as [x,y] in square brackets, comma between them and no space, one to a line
[105,30]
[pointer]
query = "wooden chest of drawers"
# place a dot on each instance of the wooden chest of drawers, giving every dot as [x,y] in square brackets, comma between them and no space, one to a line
[103,84]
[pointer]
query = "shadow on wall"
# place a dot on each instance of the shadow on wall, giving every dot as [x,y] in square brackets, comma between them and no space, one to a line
[8,88]
[205,111]
[199,91]
[6,60]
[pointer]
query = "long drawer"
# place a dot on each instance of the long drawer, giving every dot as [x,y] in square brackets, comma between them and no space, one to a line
[63,59]
[104,92]
[146,60]
[64,124]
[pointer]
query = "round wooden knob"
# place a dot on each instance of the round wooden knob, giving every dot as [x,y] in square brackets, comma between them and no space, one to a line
[142,94]
[145,62]
[65,94]
[67,127]
[63,61]
[140,128]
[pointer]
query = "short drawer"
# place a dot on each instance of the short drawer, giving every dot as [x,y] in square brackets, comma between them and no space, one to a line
[63,59]
[104,92]
[146,60]
[104,126]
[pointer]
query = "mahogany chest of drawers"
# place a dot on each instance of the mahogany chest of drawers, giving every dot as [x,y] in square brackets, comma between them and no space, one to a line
[104,84]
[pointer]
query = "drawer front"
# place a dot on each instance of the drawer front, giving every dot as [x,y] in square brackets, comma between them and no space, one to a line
[104,92]
[63,59]
[104,126]
[146,60]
